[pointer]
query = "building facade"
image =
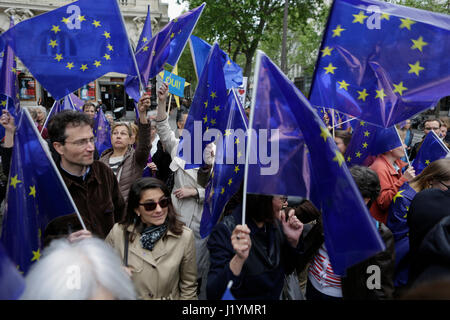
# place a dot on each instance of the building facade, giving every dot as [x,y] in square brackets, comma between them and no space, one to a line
[109,87]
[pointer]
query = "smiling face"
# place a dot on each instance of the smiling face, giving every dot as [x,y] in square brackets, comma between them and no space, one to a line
[154,217]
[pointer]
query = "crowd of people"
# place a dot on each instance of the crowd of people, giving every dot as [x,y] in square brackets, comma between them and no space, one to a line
[142,211]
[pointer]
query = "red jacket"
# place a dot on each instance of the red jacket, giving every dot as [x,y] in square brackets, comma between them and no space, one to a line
[390,181]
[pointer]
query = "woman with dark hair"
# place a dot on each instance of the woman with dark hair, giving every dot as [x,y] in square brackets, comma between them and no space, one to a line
[156,247]
[256,256]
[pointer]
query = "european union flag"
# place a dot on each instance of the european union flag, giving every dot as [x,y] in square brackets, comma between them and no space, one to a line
[146,33]
[165,47]
[132,87]
[73,45]
[432,149]
[369,141]
[58,107]
[102,132]
[350,232]
[76,102]
[204,120]
[36,195]
[200,50]
[9,95]
[227,173]
[382,63]
[12,283]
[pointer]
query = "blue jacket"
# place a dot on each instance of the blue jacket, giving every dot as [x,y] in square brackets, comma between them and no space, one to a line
[397,223]
[263,273]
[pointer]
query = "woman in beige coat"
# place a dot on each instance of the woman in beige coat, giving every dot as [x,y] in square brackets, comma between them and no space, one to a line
[161,250]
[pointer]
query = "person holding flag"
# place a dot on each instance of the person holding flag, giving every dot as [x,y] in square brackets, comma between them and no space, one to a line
[126,162]
[388,167]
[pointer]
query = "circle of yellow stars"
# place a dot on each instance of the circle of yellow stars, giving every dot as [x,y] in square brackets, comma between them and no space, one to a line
[84,66]
[415,67]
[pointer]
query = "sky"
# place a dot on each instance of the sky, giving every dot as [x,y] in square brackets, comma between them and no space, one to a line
[174,8]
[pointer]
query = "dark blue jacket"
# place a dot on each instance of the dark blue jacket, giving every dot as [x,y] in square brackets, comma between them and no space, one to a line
[397,223]
[263,273]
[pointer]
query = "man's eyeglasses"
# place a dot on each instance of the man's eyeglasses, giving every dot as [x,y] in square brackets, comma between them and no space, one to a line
[448,187]
[150,206]
[83,142]
[429,128]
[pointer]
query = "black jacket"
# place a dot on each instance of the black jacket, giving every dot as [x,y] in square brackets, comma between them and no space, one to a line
[432,260]
[263,273]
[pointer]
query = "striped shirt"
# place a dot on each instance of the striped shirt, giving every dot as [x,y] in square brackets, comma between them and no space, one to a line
[321,274]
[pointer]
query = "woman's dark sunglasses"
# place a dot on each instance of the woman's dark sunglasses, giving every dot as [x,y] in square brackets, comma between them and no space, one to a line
[150,206]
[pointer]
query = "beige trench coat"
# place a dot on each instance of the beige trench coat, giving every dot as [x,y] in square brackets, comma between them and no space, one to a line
[169,271]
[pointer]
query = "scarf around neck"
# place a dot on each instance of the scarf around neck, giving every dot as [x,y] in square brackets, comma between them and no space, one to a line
[151,235]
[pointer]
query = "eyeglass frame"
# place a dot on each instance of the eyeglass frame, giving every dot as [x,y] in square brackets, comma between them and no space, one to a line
[448,187]
[82,142]
[155,203]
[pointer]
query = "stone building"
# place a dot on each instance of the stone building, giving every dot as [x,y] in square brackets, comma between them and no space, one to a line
[109,87]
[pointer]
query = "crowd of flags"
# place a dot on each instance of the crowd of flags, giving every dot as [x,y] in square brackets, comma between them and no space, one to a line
[377,75]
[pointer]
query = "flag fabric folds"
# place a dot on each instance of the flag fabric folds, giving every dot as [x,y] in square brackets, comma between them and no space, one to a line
[73,45]
[385,66]
[206,112]
[12,283]
[431,149]
[368,141]
[200,50]
[132,83]
[227,173]
[350,232]
[58,107]
[9,95]
[36,195]
[165,47]
[146,33]
[102,132]
[76,102]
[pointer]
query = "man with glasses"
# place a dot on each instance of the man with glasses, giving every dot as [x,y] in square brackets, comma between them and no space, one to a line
[92,184]
[428,125]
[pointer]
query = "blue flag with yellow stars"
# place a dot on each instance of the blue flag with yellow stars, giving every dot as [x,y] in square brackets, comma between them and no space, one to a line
[132,87]
[73,45]
[9,94]
[36,195]
[368,141]
[431,149]
[227,173]
[200,50]
[102,132]
[146,33]
[58,107]
[350,232]
[12,283]
[382,63]
[76,102]
[165,47]
[205,119]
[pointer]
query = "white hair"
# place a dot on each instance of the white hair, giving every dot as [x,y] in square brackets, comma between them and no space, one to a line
[78,271]
[42,108]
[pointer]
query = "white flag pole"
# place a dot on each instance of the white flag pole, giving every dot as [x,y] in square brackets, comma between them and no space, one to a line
[249,133]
